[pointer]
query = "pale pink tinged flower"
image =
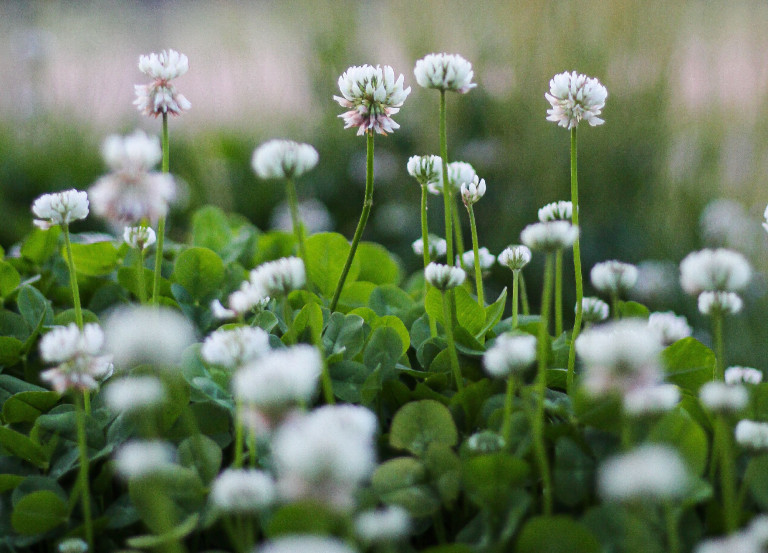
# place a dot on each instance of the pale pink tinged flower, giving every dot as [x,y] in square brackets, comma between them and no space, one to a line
[60,208]
[277,159]
[373,96]
[80,366]
[445,72]
[472,191]
[160,96]
[574,98]
[669,327]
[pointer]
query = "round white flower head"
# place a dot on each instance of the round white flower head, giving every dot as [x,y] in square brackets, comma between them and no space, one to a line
[727,303]
[248,297]
[556,211]
[444,277]
[140,237]
[445,72]
[574,98]
[485,441]
[391,523]
[426,169]
[758,530]
[510,355]
[139,335]
[619,356]
[487,259]
[658,398]
[139,458]
[459,172]
[714,270]
[515,257]
[751,434]
[305,544]
[160,96]
[723,398]
[550,236]
[134,394]
[613,277]
[373,96]
[437,246]
[593,310]
[60,208]
[650,472]
[670,327]
[72,545]
[243,490]
[747,541]
[235,347]
[471,192]
[135,152]
[279,277]
[743,375]
[277,159]
[80,366]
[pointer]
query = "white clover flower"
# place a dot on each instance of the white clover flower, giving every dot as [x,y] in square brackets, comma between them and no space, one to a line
[459,172]
[752,434]
[515,257]
[134,393]
[758,529]
[60,208]
[160,96]
[80,365]
[471,192]
[650,472]
[243,490]
[487,259]
[742,542]
[727,303]
[154,335]
[722,398]
[550,236]
[657,398]
[373,96]
[444,277]
[277,159]
[445,72]
[485,441]
[613,277]
[619,356]
[556,211]
[140,237]
[426,169]
[669,327]
[72,545]
[510,355]
[137,152]
[389,524]
[437,246]
[279,277]
[743,375]
[574,98]
[593,310]
[248,297]
[232,348]
[725,223]
[139,458]
[325,454]
[714,270]
[304,544]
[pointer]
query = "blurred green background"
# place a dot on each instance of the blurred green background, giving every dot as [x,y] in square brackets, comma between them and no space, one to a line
[679,164]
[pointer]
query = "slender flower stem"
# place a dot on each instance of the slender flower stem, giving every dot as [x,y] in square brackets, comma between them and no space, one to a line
[673,538]
[298,226]
[161,220]
[506,427]
[141,285]
[558,292]
[475,251]
[361,224]
[239,437]
[524,296]
[615,305]
[252,449]
[457,232]
[576,264]
[515,300]
[85,493]
[731,511]
[425,246]
[447,201]
[541,387]
[73,278]
[717,331]
[451,345]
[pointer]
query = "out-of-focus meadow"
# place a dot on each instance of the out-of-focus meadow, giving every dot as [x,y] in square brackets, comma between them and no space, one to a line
[686,119]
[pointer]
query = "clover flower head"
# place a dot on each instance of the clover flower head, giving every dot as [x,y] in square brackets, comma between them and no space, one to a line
[80,365]
[248,297]
[549,236]
[160,96]
[459,172]
[471,192]
[658,398]
[556,211]
[485,441]
[426,169]
[593,310]
[60,208]
[515,257]
[752,434]
[727,303]
[72,545]
[373,96]
[304,543]
[232,348]
[277,159]
[135,152]
[743,542]
[510,355]
[140,237]
[243,491]
[650,472]
[279,277]
[714,270]
[437,246]
[575,97]
[487,259]
[743,375]
[669,327]
[140,458]
[720,397]
[444,277]
[134,394]
[613,277]
[389,524]
[445,72]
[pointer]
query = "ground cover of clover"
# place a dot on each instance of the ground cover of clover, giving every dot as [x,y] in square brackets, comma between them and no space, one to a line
[250,390]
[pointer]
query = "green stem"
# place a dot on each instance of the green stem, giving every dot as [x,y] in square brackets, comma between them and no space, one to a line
[141,285]
[298,226]
[615,305]
[85,493]
[558,292]
[451,345]
[457,231]
[731,511]
[673,538]
[73,278]
[161,220]
[253,453]
[361,224]
[524,296]
[447,193]
[515,300]
[576,265]
[327,385]
[717,331]
[506,427]
[238,459]
[425,255]
[475,251]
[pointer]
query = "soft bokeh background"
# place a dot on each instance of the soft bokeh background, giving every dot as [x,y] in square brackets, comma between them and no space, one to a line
[680,163]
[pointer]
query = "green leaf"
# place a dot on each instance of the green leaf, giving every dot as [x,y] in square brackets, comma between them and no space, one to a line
[274,245]
[573,472]
[10,481]
[376,264]
[201,453]
[344,333]
[326,255]
[176,534]
[10,350]
[9,279]
[383,349]
[34,307]
[27,406]
[95,259]
[310,319]
[494,312]
[677,429]
[348,378]
[39,512]
[557,534]
[418,424]
[489,479]
[401,481]
[19,445]
[127,278]
[390,300]
[633,309]
[63,318]
[390,321]
[356,294]
[444,469]
[304,517]
[689,364]
[200,271]
[40,244]
[468,314]
[756,478]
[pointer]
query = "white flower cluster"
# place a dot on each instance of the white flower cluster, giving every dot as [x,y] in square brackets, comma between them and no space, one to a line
[669,327]
[720,397]
[243,491]
[728,303]
[556,211]
[304,544]
[651,472]
[751,539]
[648,400]
[233,348]
[160,96]
[80,365]
[444,277]
[426,169]
[459,172]
[549,236]
[437,246]
[140,458]
[510,355]
[743,375]
[140,237]
[719,270]
[593,310]
[515,257]
[277,159]
[389,524]
[60,208]
[575,97]
[134,394]
[472,191]
[279,277]
[487,259]
[752,434]
[445,72]
[613,277]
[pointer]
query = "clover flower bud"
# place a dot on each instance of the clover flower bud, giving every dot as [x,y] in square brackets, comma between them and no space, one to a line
[515,257]
[720,397]
[575,97]
[593,310]
[645,400]
[613,277]
[719,270]
[232,348]
[556,211]
[139,458]
[72,545]
[444,277]
[743,375]
[651,472]
[550,236]
[669,327]
[437,246]
[487,259]
[459,172]
[278,159]
[727,303]
[140,237]
[389,524]
[279,277]
[304,544]
[426,169]
[751,434]
[510,355]
[134,394]
[243,491]
[471,192]
[445,72]
[60,208]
